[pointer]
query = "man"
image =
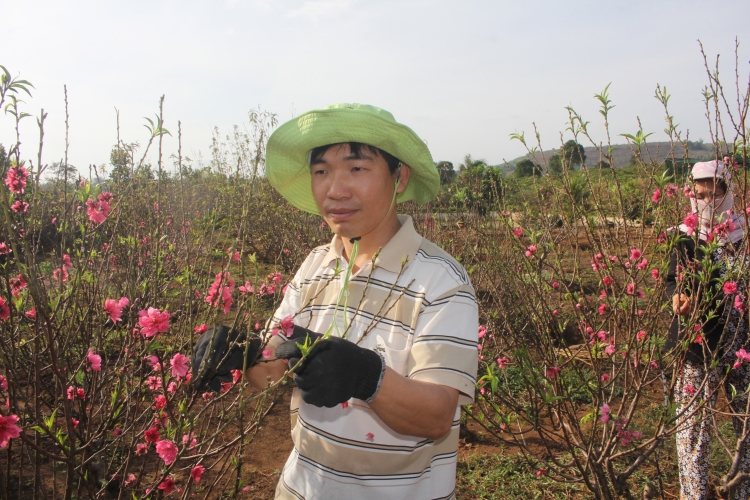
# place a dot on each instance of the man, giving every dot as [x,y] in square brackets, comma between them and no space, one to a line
[377,404]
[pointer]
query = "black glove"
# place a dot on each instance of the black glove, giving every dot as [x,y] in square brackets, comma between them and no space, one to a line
[214,371]
[334,371]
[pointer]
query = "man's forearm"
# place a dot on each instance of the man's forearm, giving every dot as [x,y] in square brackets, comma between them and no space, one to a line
[415,408]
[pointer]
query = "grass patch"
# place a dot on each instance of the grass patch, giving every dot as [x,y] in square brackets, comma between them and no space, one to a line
[507,476]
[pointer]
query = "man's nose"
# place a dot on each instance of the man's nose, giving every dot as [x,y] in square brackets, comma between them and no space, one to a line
[339,187]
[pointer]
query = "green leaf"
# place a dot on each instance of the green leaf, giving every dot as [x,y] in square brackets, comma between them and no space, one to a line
[50,421]
[155,346]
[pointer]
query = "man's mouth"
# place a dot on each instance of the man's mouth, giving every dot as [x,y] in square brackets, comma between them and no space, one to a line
[340,214]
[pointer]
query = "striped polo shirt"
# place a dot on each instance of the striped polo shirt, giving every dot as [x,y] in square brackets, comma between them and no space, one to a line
[423,319]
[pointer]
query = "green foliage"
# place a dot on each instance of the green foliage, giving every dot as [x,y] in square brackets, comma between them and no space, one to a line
[555,164]
[478,187]
[573,154]
[527,168]
[447,174]
[508,477]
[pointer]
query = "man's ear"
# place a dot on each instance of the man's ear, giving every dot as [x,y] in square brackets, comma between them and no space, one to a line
[403,177]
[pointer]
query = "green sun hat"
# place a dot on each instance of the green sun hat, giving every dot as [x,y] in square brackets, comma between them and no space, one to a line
[289,149]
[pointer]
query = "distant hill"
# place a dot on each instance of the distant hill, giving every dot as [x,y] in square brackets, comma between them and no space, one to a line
[622,153]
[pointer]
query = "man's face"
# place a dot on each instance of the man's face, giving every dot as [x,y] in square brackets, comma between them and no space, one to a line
[353,193]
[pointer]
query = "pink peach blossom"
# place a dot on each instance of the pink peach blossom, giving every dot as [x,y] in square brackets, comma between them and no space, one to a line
[482,331]
[167,451]
[221,290]
[114,310]
[691,221]
[180,365]
[16,179]
[8,429]
[197,472]
[19,206]
[94,361]
[153,321]
[167,485]
[4,310]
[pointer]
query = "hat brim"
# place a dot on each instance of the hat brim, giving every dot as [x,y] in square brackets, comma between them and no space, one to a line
[289,147]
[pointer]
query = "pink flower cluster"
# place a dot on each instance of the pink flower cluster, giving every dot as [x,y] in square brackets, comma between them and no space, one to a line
[17,284]
[742,356]
[16,179]
[265,289]
[730,287]
[626,436]
[605,413]
[286,326]
[19,207]
[4,310]
[221,290]
[180,365]
[167,451]
[99,209]
[739,304]
[114,308]
[691,221]
[598,263]
[73,393]
[153,321]
[93,361]
[61,273]
[631,290]
[8,429]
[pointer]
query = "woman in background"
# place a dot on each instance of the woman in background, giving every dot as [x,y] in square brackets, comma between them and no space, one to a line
[712,220]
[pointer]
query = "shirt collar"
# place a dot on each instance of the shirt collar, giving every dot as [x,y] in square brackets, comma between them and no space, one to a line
[405,243]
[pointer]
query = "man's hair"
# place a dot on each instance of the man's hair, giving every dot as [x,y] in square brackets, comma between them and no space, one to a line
[357,150]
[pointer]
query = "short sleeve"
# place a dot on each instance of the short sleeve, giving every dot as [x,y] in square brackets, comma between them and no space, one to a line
[445,344]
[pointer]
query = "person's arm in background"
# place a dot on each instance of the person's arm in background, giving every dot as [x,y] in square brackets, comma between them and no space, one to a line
[681,303]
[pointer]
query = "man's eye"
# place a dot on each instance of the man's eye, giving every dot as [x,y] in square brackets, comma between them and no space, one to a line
[358,169]
[318,172]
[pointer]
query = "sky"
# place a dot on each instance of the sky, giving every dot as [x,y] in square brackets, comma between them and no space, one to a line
[464,75]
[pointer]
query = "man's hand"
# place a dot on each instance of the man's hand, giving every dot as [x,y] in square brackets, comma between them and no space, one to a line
[334,371]
[209,371]
[681,304]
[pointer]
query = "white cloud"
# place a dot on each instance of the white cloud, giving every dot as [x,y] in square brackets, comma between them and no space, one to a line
[315,9]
